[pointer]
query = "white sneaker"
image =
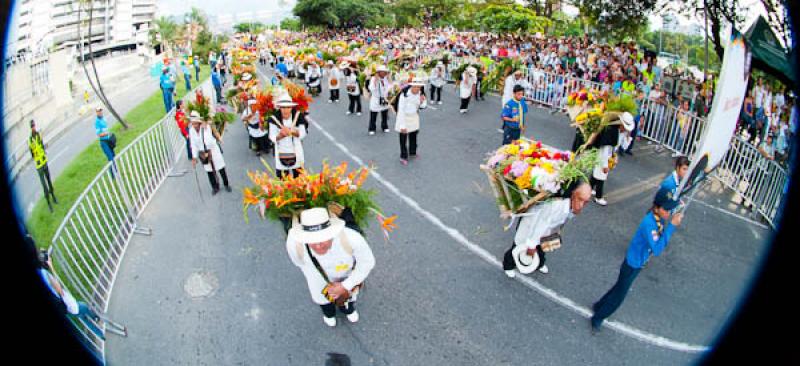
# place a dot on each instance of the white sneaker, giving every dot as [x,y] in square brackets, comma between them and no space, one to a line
[330,101]
[358,114]
[543,269]
[347,113]
[385,130]
[594,193]
[331,322]
[353,317]
[600,201]
[500,130]
[463,111]
[510,273]
[371,133]
[675,155]
[440,102]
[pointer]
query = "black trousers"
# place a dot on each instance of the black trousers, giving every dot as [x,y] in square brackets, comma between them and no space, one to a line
[47,185]
[283,173]
[597,186]
[355,103]
[408,144]
[436,94]
[612,300]
[212,178]
[262,144]
[479,94]
[329,310]
[373,116]
[334,95]
[464,103]
[508,258]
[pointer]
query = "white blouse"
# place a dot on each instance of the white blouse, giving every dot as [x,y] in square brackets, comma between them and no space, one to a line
[288,145]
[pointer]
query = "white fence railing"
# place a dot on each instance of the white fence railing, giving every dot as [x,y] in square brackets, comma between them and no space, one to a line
[90,243]
[757,179]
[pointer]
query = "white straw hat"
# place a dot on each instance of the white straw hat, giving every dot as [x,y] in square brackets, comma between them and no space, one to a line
[247,76]
[285,101]
[627,121]
[382,68]
[315,226]
[195,117]
[525,263]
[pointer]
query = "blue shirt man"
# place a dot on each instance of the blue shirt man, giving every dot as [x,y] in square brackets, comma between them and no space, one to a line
[281,68]
[187,76]
[216,81]
[652,236]
[513,115]
[103,134]
[196,69]
[167,88]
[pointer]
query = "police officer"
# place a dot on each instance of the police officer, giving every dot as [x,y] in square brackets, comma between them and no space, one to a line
[650,238]
[39,156]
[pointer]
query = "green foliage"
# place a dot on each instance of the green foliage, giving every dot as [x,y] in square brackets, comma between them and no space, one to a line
[622,103]
[511,19]
[496,78]
[337,13]
[250,27]
[564,26]
[221,119]
[578,168]
[291,24]
[614,20]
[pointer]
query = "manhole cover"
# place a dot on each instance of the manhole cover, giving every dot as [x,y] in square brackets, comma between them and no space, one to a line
[201,284]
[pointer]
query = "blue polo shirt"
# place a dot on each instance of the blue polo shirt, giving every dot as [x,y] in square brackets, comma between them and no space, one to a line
[647,241]
[166,82]
[100,126]
[215,78]
[671,183]
[185,70]
[281,67]
[514,108]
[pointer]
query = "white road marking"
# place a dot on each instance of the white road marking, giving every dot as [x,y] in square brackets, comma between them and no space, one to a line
[527,281]
[756,223]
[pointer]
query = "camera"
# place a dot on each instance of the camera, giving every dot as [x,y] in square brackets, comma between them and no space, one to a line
[383,102]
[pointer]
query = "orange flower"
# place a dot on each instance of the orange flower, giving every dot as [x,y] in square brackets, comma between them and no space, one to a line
[249,197]
[388,223]
[342,190]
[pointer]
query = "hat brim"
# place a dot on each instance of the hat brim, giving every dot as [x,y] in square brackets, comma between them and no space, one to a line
[416,83]
[286,105]
[297,232]
[525,264]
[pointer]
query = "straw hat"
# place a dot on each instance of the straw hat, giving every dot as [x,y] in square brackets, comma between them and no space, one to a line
[382,68]
[195,117]
[627,121]
[247,76]
[316,225]
[472,71]
[284,101]
[525,263]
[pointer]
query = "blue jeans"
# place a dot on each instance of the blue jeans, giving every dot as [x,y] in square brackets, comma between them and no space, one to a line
[107,150]
[167,94]
[188,79]
[510,134]
[188,148]
[86,315]
[196,74]
[612,300]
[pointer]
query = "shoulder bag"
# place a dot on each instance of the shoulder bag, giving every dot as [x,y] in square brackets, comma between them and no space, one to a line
[205,154]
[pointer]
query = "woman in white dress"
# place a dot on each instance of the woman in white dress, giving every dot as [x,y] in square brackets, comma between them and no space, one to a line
[379,86]
[287,129]
[353,89]
[437,83]
[205,148]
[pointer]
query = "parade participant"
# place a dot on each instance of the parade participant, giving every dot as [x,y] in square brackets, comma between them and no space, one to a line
[467,87]
[672,181]
[511,82]
[411,100]
[281,67]
[541,226]
[36,146]
[606,142]
[302,69]
[437,83]
[513,116]
[216,80]
[183,125]
[314,79]
[290,67]
[379,99]
[334,259]
[651,238]
[196,64]
[256,128]
[353,90]
[167,84]
[287,129]
[334,81]
[205,147]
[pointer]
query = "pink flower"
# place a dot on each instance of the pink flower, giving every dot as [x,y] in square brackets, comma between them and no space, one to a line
[496,159]
[518,168]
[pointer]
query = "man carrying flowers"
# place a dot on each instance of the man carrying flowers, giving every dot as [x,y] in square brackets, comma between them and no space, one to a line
[539,230]
[513,116]
[334,259]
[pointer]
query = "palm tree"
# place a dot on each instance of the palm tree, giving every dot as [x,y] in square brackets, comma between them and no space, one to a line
[167,29]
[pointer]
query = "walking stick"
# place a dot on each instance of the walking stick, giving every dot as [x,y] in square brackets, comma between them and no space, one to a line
[197,180]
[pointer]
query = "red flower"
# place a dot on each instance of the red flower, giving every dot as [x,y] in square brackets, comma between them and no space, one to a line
[538,144]
[507,169]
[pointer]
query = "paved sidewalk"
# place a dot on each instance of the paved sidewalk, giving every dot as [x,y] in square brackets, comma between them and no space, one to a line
[208,289]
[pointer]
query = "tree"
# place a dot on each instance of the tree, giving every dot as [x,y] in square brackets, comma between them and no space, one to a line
[337,13]
[617,19]
[425,12]
[776,17]
[511,19]
[563,25]
[166,30]
[719,12]
[252,27]
[291,24]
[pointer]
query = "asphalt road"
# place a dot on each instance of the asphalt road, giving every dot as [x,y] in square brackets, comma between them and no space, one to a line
[209,289]
[124,95]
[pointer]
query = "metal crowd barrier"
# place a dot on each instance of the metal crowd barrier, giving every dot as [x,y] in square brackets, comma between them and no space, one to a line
[90,243]
[758,180]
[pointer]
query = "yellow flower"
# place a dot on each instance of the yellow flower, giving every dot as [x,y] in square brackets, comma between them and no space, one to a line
[523,182]
[512,149]
[548,167]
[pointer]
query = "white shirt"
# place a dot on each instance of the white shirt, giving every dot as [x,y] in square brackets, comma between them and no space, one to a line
[288,145]
[352,80]
[542,220]
[337,263]
[378,88]
[508,87]
[437,77]
[204,139]
[467,82]
[334,73]
[408,112]
[759,96]
[254,132]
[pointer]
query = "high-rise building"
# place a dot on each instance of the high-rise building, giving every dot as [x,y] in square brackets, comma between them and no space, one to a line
[670,23]
[53,24]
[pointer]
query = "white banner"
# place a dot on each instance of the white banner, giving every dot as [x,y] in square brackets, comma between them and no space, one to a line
[721,122]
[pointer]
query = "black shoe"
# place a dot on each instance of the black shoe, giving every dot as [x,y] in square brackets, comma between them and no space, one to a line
[55,200]
[214,191]
[594,330]
[629,152]
[228,188]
